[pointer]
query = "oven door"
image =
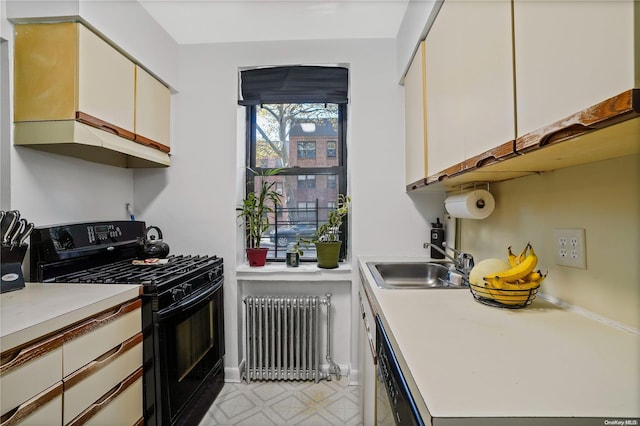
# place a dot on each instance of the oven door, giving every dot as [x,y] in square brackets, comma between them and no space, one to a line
[190,349]
[395,404]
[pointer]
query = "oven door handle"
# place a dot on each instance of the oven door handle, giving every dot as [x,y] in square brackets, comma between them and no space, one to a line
[193,301]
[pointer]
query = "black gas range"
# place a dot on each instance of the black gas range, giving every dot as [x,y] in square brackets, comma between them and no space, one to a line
[182,308]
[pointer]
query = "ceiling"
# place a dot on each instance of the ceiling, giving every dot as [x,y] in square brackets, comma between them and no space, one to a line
[220,21]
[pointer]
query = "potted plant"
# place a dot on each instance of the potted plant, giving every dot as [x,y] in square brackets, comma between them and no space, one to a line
[255,209]
[327,239]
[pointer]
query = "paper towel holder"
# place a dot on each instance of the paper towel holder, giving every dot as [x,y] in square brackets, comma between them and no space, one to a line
[469,187]
[470,202]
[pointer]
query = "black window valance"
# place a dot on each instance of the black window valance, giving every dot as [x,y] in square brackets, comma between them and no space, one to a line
[294,84]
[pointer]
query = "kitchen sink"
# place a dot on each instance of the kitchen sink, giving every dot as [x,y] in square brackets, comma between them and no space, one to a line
[411,275]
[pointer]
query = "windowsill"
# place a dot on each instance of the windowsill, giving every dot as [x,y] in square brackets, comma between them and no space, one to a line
[279,271]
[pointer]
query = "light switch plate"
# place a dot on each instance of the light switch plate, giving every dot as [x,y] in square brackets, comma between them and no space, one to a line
[570,248]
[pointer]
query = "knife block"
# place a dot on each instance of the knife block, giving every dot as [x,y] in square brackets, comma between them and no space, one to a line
[11,258]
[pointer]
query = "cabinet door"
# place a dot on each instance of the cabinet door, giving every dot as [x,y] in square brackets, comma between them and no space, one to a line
[415,119]
[469,72]
[44,71]
[570,55]
[106,83]
[153,111]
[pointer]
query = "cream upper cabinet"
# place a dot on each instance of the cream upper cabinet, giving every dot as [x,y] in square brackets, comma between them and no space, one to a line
[63,71]
[415,99]
[106,81]
[469,81]
[153,111]
[570,55]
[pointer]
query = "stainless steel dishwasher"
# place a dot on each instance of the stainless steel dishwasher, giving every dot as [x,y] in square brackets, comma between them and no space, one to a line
[394,404]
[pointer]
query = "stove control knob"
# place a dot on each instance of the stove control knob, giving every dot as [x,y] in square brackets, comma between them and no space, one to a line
[177,293]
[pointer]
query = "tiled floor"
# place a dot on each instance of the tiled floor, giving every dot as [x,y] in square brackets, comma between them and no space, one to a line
[285,403]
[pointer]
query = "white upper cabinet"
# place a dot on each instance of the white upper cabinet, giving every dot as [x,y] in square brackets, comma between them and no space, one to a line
[469,81]
[415,119]
[106,80]
[153,111]
[571,55]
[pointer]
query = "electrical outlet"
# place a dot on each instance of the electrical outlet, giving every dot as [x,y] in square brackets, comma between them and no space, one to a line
[571,248]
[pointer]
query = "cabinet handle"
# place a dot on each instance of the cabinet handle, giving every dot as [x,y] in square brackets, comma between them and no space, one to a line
[16,415]
[100,362]
[16,357]
[112,394]
[102,319]
[110,129]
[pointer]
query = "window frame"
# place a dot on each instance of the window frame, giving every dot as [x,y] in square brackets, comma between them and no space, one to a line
[340,171]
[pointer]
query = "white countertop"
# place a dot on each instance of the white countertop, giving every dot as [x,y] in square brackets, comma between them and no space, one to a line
[40,309]
[469,360]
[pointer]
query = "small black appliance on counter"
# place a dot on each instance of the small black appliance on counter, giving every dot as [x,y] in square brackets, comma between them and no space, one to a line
[182,307]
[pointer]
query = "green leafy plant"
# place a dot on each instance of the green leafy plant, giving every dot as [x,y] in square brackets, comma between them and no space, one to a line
[330,230]
[255,208]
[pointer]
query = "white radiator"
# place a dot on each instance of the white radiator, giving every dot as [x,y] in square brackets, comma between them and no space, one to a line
[283,338]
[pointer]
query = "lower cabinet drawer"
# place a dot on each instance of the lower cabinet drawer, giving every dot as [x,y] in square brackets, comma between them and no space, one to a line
[93,338]
[43,409]
[27,380]
[120,406]
[90,383]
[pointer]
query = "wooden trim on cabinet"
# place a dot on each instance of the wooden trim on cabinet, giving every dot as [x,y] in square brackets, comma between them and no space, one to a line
[606,114]
[16,357]
[151,143]
[101,403]
[622,107]
[495,155]
[103,125]
[101,362]
[101,319]
[18,414]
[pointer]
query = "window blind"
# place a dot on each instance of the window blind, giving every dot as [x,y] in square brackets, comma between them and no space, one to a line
[294,84]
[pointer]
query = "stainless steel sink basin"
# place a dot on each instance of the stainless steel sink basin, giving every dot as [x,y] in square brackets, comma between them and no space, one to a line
[411,275]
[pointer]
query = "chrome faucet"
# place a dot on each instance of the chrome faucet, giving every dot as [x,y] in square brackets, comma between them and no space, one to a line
[463,262]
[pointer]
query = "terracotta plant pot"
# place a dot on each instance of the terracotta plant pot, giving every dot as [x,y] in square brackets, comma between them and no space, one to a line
[328,254]
[257,256]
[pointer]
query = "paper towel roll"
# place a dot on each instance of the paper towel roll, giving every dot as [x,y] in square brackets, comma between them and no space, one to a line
[477,204]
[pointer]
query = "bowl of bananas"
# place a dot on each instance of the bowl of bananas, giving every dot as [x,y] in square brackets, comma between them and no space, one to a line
[511,283]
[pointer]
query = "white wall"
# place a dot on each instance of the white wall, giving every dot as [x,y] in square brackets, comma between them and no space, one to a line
[193,201]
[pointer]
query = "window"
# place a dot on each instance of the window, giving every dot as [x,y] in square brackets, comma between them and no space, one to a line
[306,211]
[290,129]
[306,182]
[306,150]
[331,149]
[332,183]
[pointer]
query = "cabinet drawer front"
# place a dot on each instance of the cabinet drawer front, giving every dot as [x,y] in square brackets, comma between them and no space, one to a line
[90,383]
[93,338]
[43,409]
[106,81]
[28,379]
[122,406]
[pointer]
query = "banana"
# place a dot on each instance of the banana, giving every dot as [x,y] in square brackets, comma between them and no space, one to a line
[512,258]
[511,294]
[519,271]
